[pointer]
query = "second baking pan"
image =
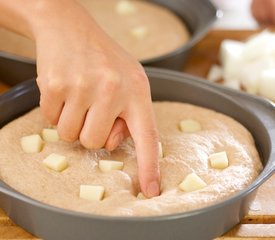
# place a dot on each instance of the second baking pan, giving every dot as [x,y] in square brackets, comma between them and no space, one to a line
[52,223]
[198,15]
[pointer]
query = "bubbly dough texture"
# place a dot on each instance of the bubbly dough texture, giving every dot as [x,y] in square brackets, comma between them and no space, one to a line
[184,153]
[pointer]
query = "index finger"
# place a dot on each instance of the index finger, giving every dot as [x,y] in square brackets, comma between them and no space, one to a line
[142,126]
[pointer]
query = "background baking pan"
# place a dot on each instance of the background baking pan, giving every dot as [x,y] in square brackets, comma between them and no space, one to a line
[53,223]
[198,15]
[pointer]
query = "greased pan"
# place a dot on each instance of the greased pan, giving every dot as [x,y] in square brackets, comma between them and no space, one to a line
[198,15]
[53,223]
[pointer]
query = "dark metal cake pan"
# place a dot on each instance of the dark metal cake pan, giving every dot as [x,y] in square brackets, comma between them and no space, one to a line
[49,222]
[198,15]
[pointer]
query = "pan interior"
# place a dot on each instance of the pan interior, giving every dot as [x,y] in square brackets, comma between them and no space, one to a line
[164,87]
[192,91]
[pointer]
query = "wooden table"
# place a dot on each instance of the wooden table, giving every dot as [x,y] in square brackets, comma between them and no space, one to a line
[260,221]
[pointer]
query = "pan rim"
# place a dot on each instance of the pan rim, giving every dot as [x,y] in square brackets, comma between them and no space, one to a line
[197,36]
[263,176]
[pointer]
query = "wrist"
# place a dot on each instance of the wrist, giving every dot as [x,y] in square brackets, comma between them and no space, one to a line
[58,16]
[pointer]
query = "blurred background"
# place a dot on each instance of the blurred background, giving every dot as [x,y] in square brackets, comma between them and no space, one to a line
[236,15]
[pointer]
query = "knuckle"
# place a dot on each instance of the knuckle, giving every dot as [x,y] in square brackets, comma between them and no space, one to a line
[89,142]
[55,87]
[82,87]
[151,134]
[39,81]
[47,113]
[141,82]
[66,133]
[111,82]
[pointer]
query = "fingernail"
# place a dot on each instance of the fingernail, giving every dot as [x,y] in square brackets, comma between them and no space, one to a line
[153,189]
[116,141]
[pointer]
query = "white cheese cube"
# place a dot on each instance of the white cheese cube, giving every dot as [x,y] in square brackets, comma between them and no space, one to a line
[92,193]
[56,162]
[125,7]
[109,165]
[192,182]
[190,126]
[139,32]
[160,150]
[267,84]
[218,160]
[50,135]
[141,196]
[32,143]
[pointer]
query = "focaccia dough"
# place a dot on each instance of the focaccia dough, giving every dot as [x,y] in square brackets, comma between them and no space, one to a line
[165,32]
[184,153]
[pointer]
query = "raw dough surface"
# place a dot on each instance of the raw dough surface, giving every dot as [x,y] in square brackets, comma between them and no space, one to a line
[183,153]
[165,31]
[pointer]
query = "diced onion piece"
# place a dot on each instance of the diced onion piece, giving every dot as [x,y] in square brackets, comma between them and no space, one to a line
[192,182]
[190,126]
[56,162]
[141,196]
[232,83]
[231,57]
[109,165]
[267,84]
[50,135]
[139,32]
[32,143]
[91,192]
[215,73]
[250,73]
[218,160]
[259,46]
[124,7]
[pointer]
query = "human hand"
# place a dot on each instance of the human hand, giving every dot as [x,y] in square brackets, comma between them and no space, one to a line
[264,11]
[92,89]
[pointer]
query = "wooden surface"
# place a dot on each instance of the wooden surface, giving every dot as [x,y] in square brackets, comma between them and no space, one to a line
[260,221]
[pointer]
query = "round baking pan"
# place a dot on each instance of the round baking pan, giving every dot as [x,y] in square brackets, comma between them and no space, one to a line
[49,222]
[198,15]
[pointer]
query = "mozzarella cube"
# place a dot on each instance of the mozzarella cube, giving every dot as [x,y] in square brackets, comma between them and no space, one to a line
[160,150]
[109,165]
[190,126]
[192,182]
[56,162]
[50,135]
[218,160]
[141,196]
[267,84]
[139,32]
[125,7]
[91,193]
[32,143]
